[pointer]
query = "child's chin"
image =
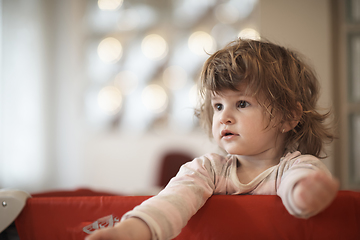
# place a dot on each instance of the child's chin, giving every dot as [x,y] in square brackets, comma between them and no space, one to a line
[232,152]
[229,150]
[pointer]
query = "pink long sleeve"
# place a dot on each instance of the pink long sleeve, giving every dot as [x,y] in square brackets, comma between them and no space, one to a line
[297,169]
[168,212]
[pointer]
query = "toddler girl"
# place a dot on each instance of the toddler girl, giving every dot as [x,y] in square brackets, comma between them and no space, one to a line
[259,106]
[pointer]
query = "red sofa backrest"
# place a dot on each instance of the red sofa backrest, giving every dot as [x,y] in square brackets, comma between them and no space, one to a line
[222,217]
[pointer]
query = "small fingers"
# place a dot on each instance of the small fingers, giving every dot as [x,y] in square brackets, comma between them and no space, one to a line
[102,234]
[315,192]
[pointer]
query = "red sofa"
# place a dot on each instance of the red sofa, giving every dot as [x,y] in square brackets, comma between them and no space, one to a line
[222,217]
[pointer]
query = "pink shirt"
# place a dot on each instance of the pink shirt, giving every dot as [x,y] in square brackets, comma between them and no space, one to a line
[169,211]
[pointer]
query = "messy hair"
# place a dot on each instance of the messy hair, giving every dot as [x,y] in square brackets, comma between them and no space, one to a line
[288,85]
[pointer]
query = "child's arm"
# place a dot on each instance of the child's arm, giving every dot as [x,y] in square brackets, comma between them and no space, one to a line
[306,187]
[167,213]
[315,192]
[130,229]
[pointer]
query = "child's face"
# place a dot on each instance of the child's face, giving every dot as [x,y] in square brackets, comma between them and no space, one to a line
[241,126]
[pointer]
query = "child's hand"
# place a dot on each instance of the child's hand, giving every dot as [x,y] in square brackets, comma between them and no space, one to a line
[315,192]
[130,229]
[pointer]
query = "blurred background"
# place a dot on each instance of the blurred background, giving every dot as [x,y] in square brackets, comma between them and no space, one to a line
[95,94]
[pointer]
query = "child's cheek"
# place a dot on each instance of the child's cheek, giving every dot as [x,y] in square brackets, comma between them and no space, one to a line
[216,131]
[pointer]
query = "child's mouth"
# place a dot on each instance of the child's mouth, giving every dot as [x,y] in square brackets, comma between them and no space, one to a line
[227,134]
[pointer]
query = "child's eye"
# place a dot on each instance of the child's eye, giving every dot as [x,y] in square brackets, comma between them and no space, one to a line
[218,106]
[243,104]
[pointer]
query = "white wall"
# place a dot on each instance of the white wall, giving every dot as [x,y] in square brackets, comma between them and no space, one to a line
[129,163]
[23,96]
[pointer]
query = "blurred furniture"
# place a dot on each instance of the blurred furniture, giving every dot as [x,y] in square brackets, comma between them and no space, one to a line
[222,217]
[80,192]
[13,201]
[170,165]
[11,204]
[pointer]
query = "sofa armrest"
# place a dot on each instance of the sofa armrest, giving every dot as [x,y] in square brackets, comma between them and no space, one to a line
[11,204]
[222,217]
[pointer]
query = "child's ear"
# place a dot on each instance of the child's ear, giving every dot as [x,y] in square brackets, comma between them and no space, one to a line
[291,124]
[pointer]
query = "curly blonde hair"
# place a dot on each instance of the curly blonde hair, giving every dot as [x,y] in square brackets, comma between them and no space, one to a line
[279,75]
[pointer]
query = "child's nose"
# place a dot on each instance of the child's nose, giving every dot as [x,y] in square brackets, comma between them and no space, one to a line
[226,118]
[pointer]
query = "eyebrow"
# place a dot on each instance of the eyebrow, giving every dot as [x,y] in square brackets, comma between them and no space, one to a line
[214,97]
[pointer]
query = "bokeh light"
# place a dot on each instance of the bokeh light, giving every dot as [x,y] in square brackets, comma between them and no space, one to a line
[249,33]
[154,98]
[110,50]
[126,81]
[109,5]
[201,43]
[154,47]
[110,99]
[174,77]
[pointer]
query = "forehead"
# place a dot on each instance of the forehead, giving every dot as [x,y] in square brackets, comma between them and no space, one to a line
[227,93]
[241,90]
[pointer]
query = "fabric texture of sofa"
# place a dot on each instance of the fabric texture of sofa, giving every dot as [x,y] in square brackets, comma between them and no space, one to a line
[222,217]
